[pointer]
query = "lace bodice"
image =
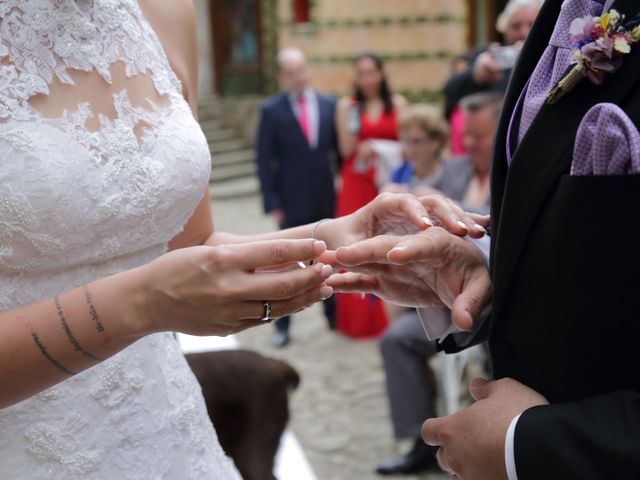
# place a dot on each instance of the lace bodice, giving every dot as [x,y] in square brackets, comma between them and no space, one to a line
[101,164]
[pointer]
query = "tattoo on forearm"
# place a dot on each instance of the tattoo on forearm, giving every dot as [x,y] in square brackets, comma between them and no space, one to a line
[48,356]
[93,312]
[72,339]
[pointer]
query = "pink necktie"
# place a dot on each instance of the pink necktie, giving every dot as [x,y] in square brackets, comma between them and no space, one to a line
[303,118]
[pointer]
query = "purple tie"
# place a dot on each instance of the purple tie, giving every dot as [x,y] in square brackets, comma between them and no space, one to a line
[553,63]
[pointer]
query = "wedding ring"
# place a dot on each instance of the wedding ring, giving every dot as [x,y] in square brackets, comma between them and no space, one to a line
[301,265]
[266,313]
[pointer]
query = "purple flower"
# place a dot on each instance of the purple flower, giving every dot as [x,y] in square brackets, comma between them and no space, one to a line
[600,59]
[596,77]
[602,56]
[582,29]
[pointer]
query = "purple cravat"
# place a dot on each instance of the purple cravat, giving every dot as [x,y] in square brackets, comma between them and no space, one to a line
[551,66]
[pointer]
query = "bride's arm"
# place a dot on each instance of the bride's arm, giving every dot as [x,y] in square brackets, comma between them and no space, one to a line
[200,291]
[45,343]
[392,214]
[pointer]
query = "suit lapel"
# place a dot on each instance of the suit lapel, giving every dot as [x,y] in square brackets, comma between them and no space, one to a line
[528,59]
[544,154]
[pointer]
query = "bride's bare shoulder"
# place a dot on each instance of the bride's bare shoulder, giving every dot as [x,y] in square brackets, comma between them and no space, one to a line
[174,22]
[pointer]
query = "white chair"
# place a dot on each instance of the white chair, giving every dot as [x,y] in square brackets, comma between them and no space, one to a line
[452,368]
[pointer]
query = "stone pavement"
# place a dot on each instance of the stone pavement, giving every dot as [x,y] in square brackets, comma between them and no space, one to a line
[340,412]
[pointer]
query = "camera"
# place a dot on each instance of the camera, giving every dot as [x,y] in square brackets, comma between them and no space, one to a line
[505,57]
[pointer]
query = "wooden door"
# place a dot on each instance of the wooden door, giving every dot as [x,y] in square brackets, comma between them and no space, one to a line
[482,21]
[237,46]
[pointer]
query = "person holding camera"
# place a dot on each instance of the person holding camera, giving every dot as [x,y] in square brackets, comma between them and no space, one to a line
[490,67]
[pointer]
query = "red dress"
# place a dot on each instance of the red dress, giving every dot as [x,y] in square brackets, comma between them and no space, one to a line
[355,316]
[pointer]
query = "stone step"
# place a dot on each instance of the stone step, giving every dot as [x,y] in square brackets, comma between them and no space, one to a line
[211,124]
[238,188]
[209,111]
[227,145]
[206,114]
[225,173]
[220,134]
[234,157]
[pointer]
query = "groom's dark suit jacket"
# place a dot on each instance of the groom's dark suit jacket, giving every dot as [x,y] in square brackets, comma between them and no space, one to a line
[566,274]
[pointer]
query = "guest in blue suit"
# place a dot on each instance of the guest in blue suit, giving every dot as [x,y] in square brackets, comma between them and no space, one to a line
[296,153]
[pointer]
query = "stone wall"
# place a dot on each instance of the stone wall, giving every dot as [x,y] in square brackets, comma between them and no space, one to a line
[417,38]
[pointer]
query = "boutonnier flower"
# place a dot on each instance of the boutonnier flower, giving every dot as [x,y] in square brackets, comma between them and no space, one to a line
[601,44]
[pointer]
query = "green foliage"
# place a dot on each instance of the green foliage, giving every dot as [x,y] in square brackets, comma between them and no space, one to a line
[404,56]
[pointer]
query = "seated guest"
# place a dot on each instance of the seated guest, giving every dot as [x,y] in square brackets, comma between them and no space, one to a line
[405,348]
[423,134]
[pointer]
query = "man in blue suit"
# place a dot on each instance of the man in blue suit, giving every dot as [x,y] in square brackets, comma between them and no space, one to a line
[296,149]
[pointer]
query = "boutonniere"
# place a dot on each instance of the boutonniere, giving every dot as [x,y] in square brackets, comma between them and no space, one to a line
[601,44]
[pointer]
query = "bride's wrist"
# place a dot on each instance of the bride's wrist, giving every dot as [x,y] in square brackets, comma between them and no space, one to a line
[331,231]
[139,315]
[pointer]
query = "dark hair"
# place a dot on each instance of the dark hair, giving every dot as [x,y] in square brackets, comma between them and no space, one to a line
[385,92]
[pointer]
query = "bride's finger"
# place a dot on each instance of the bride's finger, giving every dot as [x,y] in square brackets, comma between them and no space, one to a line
[371,250]
[353,283]
[283,308]
[250,256]
[283,285]
[483,220]
[329,258]
[409,206]
[447,214]
[475,229]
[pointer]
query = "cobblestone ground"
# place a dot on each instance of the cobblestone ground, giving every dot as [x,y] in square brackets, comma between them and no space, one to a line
[340,412]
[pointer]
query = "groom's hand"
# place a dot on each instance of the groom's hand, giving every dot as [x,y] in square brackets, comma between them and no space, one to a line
[432,267]
[472,441]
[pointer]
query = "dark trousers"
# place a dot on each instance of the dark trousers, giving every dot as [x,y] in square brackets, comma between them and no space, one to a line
[405,350]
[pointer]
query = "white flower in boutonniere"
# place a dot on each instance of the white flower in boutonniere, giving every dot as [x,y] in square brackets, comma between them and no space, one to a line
[601,43]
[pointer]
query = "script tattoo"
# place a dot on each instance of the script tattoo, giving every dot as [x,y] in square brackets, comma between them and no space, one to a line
[72,339]
[92,310]
[48,356]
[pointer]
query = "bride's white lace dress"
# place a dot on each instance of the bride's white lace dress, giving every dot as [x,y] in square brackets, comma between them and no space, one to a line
[86,193]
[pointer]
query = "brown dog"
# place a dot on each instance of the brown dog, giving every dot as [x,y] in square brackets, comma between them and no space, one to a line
[247,399]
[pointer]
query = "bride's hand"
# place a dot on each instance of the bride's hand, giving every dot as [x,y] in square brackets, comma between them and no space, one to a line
[401,214]
[217,291]
[430,268]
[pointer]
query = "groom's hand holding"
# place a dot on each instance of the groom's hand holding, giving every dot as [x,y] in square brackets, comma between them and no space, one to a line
[430,268]
[472,441]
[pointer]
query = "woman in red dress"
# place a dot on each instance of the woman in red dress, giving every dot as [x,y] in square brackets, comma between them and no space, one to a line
[370,113]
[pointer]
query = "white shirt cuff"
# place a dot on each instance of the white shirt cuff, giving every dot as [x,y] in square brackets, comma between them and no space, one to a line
[437,322]
[483,244]
[509,450]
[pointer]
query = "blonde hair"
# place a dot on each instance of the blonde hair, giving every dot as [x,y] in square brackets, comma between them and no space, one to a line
[426,117]
[505,16]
